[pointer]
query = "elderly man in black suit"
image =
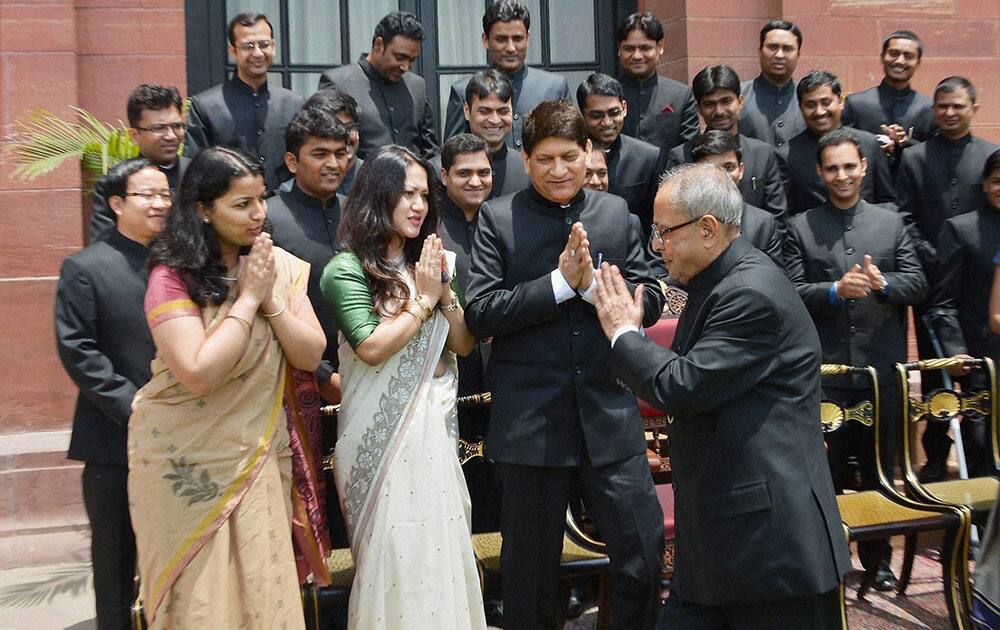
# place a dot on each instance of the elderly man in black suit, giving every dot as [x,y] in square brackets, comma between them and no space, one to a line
[961,299]
[392,100]
[246,112]
[939,179]
[157,128]
[661,110]
[105,346]
[741,384]
[559,423]
[506,35]
[769,111]
[631,163]
[893,109]
[856,269]
[717,93]
[819,100]
[760,227]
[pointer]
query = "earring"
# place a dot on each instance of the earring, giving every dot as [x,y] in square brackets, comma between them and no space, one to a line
[205,220]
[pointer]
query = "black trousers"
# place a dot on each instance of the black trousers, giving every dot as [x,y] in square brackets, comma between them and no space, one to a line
[815,612]
[112,543]
[621,500]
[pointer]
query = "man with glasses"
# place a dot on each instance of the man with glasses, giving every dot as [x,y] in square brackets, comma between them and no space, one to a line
[506,36]
[759,543]
[156,126]
[392,99]
[661,110]
[246,112]
[106,348]
[631,163]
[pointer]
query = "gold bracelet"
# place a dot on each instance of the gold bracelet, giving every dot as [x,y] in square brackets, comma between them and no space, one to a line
[416,316]
[421,299]
[241,320]
[279,312]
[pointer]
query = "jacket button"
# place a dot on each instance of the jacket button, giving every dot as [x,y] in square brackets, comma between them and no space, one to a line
[517,116]
[569,220]
[854,329]
[579,371]
[781,123]
[954,181]
[850,250]
[576,332]
[780,142]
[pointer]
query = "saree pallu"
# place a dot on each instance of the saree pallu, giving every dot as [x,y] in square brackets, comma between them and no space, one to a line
[209,482]
[403,494]
[310,536]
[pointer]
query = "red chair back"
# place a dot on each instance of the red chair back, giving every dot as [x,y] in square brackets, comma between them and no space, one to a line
[662,332]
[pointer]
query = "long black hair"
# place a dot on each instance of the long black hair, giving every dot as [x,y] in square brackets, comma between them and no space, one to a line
[187,243]
[366,226]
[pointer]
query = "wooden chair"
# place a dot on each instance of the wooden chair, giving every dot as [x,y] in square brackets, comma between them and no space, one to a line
[883,512]
[977,494]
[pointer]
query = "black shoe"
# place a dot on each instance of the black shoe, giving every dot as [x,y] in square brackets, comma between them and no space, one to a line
[494,612]
[933,470]
[884,579]
[574,606]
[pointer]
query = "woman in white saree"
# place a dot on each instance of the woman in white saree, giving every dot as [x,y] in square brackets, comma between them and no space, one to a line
[404,497]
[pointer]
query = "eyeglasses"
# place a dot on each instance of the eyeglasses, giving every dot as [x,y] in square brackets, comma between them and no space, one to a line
[597,115]
[161,130]
[659,233]
[149,197]
[263,45]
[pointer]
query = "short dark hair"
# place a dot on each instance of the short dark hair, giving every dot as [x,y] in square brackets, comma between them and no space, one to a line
[715,142]
[312,122]
[505,11]
[645,22]
[836,138]
[781,25]
[152,97]
[814,81]
[399,23]
[950,84]
[553,119]
[992,164]
[487,82]
[714,78]
[910,35]
[115,182]
[334,101]
[248,18]
[462,144]
[598,84]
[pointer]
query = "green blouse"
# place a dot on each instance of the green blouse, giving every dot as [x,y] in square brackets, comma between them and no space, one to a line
[346,291]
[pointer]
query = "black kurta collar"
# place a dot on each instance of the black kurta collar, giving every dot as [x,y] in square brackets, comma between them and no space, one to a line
[763,84]
[500,154]
[649,81]
[371,71]
[614,148]
[246,89]
[308,200]
[451,212]
[720,267]
[127,246]
[552,206]
[954,144]
[887,90]
[844,212]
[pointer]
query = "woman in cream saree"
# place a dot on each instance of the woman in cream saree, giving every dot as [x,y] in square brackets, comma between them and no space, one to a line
[403,494]
[209,456]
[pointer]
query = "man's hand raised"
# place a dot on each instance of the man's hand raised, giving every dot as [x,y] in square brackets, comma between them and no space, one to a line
[574,261]
[616,307]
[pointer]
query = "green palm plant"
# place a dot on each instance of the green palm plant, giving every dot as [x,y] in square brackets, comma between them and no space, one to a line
[44,141]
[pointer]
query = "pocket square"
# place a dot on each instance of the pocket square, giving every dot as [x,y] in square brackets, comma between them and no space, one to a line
[667,109]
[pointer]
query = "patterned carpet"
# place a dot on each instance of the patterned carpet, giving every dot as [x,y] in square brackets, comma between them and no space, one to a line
[922,607]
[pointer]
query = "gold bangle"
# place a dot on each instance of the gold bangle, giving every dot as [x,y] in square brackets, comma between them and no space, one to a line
[279,312]
[241,320]
[421,299]
[416,316]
